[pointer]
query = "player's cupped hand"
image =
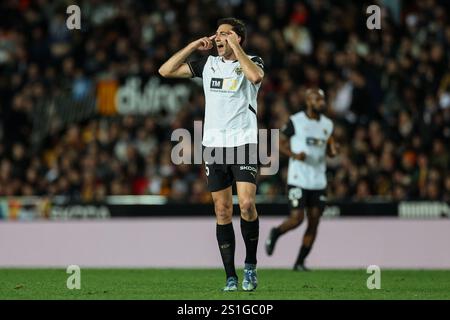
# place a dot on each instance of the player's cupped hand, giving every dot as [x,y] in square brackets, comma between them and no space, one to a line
[232,38]
[206,43]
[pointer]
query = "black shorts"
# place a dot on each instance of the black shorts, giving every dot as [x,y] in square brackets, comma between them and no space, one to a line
[300,198]
[242,166]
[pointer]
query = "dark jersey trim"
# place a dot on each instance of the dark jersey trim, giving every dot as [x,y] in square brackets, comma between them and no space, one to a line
[197,67]
[252,109]
[258,61]
[288,129]
[192,70]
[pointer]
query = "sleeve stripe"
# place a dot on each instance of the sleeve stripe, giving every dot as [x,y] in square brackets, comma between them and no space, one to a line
[258,61]
[252,109]
[192,70]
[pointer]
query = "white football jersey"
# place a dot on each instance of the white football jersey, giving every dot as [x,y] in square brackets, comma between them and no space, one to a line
[311,137]
[231,107]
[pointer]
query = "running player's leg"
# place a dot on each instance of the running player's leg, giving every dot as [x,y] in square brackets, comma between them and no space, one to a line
[250,231]
[296,206]
[294,220]
[314,212]
[313,215]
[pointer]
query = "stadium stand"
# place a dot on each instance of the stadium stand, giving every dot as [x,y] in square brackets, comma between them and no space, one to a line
[388,91]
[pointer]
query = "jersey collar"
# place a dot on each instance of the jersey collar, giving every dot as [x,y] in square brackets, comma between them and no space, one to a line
[227,61]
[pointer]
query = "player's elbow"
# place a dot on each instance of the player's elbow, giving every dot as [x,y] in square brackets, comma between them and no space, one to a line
[256,79]
[163,72]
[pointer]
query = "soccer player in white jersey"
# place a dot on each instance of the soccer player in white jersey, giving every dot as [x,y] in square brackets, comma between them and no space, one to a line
[306,139]
[231,81]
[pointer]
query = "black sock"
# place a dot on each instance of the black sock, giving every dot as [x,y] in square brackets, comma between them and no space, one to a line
[277,233]
[304,251]
[226,242]
[250,233]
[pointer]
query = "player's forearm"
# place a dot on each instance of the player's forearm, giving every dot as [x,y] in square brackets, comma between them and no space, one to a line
[175,61]
[332,151]
[251,71]
[332,147]
[285,149]
[287,152]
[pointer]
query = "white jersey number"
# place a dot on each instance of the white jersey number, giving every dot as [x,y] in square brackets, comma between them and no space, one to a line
[206,169]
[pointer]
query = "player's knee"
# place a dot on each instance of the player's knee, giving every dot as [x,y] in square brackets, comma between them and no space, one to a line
[247,207]
[297,218]
[224,211]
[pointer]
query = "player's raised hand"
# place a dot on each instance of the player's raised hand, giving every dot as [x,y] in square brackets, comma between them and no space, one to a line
[232,38]
[205,43]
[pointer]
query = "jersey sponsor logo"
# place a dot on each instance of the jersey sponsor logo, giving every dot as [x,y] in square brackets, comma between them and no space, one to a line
[230,84]
[311,141]
[224,84]
[216,83]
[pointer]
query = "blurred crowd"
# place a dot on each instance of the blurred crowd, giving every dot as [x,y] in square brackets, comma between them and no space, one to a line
[388,92]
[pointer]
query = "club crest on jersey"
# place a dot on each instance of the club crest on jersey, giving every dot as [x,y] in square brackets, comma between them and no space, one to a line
[238,71]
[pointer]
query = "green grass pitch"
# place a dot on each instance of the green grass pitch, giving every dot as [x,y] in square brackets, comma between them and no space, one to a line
[200,284]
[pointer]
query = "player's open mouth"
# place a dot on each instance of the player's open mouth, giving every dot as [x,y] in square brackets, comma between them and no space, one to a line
[220,46]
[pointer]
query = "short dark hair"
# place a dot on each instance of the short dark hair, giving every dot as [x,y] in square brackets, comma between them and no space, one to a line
[238,27]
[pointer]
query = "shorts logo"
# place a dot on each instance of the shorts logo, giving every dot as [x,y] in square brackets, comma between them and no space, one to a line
[248,168]
[216,83]
[295,194]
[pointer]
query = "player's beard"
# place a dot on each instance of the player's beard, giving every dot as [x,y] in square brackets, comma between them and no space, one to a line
[318,111]
[226,52]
